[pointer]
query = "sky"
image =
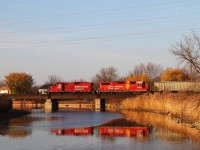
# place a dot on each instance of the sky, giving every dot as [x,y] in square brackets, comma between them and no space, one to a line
[74,39]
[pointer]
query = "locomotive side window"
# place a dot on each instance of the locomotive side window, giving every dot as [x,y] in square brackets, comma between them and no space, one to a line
[76,82]
[105,83]
[141,85]
[121,82]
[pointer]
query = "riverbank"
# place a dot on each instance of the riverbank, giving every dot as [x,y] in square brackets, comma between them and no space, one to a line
[183,106]
[166,126]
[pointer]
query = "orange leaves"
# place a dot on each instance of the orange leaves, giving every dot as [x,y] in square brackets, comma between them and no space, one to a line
[137,77]
[19,82]
[174,75]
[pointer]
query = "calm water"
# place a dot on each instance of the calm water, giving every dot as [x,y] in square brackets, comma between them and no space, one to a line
[73,130]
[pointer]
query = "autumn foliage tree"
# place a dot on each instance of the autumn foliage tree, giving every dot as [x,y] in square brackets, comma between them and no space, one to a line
[137,77]
[19,83]
[174,75]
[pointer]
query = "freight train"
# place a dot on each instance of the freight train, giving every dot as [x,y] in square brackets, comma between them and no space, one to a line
[105,87]
[123,87]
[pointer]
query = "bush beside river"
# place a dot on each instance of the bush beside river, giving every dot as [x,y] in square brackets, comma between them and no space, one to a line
[184,106]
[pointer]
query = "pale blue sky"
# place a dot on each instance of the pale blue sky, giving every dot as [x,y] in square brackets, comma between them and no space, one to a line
[75,38]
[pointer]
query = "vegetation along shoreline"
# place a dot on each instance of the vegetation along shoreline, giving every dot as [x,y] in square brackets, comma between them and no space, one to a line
[185,107]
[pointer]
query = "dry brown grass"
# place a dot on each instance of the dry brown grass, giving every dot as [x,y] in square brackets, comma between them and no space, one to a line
[183,105]
[163,122]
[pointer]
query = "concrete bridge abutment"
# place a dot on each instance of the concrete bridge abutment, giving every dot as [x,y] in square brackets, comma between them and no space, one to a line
[99,104]
[51,105]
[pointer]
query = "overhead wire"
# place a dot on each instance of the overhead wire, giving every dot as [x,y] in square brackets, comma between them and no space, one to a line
[85,26]
[92,39]
[137,22]
[91,12]
[95,15]
[101,37]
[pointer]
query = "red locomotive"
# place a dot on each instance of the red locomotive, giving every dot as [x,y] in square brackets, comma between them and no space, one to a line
[71,87]
[105,87]
[136,86]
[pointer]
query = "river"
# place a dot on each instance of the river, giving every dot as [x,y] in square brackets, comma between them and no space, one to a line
[74,130]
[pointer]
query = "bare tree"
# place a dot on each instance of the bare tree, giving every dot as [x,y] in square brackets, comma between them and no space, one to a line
[105,74]
[188,52]
[52,81]
[139,69]
[152,70]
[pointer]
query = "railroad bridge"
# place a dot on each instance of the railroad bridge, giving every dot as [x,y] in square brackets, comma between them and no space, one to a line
[68,96]
[51,100]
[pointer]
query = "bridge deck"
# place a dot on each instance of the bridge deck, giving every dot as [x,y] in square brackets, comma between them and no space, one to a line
[68,96]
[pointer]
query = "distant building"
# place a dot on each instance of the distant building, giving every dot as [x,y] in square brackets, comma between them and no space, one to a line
[4,90]
[43,91]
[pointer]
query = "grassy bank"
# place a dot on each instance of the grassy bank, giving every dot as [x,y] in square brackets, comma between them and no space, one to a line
[185,106]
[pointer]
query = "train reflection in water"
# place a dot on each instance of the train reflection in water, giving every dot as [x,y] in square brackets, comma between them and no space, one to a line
[74,131]
[111,131]
[124,131]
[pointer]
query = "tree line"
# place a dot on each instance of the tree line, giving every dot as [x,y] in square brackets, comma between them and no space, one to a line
[187,52]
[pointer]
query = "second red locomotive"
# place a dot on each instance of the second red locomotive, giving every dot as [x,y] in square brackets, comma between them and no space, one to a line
[136,86]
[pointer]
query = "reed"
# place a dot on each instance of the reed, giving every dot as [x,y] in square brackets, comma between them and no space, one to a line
[183,105]
[167,124]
